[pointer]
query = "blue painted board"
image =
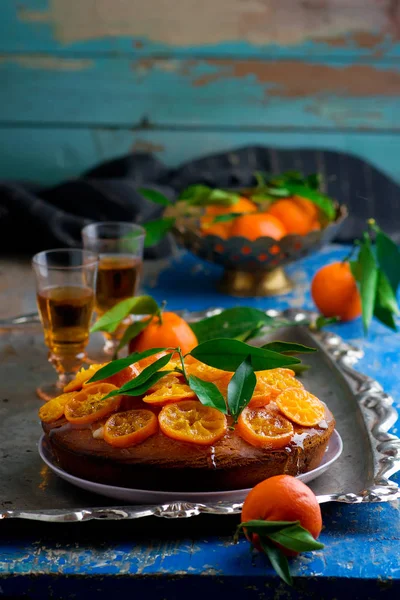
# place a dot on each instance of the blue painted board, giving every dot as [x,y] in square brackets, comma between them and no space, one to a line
[357,32]
[196,557]
[49,155]
[304,94]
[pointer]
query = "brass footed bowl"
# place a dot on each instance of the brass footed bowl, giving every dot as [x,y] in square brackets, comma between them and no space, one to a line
[253,268]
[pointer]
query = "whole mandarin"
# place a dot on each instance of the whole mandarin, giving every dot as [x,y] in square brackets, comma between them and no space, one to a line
[283,498]
[335,292]
[170,331]
[295,219]
[256,225]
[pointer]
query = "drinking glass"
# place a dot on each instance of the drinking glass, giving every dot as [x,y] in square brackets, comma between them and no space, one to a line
[65,282]
[119,247]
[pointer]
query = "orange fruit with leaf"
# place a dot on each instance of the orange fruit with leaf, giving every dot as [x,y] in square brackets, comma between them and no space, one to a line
[167,331]
[169,389]
[282,498]
[335,292]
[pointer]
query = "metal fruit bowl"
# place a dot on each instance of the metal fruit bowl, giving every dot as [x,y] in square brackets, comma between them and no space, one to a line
[253,268]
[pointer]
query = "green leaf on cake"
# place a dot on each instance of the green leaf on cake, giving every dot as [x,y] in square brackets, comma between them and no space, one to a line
[241,388]
[228,354]
[208,393]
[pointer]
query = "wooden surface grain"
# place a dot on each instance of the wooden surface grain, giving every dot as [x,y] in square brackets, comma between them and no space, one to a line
[85,81]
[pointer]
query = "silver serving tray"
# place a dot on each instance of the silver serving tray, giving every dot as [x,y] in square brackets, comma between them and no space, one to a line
[363,412]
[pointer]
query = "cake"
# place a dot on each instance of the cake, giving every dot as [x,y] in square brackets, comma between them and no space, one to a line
[269,438]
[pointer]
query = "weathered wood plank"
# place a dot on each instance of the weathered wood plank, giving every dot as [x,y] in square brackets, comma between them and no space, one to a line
[48,155]
[355,28]
[214,93]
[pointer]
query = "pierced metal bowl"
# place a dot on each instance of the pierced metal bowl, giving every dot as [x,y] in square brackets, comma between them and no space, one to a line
[253,268]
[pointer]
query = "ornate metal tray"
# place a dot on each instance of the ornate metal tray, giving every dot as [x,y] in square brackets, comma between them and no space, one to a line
[363,411]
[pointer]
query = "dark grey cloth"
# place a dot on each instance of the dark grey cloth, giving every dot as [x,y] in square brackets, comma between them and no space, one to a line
[34,218]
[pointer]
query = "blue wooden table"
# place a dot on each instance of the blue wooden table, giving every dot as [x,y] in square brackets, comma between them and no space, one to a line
[196,557]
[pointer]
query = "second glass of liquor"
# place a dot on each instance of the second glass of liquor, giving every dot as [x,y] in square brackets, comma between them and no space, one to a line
[119,247]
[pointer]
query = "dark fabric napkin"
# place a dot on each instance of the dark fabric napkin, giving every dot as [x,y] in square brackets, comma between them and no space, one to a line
[34,218]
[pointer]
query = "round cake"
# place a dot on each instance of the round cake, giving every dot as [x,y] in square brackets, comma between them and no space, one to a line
[161,462]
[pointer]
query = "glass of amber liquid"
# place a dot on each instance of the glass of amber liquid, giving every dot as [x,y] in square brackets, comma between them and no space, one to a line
[65,282]
[119,247]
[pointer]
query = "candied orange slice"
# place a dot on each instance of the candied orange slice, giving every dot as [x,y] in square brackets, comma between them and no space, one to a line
[301,407]
[81,377]
[264,428]
[129,428]
[191,421]
[169,389]
[54,408]
[271,383]
[88,405]
[204,372]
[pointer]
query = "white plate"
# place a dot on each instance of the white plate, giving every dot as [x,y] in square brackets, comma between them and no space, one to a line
[131,496]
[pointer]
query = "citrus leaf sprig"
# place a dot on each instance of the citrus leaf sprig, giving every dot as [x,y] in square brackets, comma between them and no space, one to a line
[288,534]
[377,273]
[224,354]
[293,183]
[242,323]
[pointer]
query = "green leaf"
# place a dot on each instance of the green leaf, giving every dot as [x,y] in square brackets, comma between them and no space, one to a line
[227,217]
[355,269]
[230,323]
[262,527]
[388,255]
[140,305]
[202,195]
[314,181]
[132,332]
[119,365]
[386,295]
[142,389]
[155,196]
[385,316]
[228,354]
[277,559]
[296,538]
[300,368]
[195,190]
[156,230]
[207,393]
[323,202]
[288,348]
[144,376]
[241,388]
[368,281]
[252,333]
[322,321]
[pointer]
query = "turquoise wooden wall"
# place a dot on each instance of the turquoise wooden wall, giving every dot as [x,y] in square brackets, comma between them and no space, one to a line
[86,80]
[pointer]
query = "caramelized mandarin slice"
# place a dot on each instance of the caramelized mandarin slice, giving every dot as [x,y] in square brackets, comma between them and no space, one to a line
[191,421]
[129,428]
[270,384]
[301,407]
[81,377]
[54,408]
[264,428]
[169,389]
[204,372]
[88,405]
